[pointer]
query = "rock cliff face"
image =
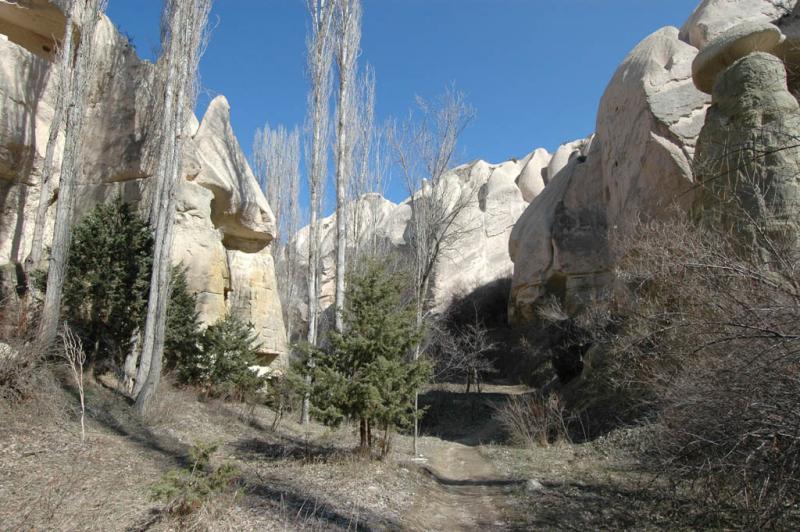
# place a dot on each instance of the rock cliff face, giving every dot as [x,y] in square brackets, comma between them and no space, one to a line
[478,258]
[224,224]
[637,164]
[649,153]
[713,17]
[747,152]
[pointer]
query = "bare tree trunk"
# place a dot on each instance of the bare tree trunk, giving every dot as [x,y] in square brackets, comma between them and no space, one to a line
[427,149]
[348,38]
[62,99]
[319,67]
[70,167]
[276,160]
[187,34]
[158,202]
[363,438]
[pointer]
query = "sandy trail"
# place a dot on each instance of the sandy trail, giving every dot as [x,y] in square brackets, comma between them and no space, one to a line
[468,492]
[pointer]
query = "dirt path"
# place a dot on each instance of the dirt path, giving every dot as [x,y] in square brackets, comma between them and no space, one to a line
[467,492]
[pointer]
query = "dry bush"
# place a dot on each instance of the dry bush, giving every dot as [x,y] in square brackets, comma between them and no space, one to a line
[703,337]
[22,368]
[533,420]
[75,356]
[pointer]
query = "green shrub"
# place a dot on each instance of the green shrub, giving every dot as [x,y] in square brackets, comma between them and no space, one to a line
[221,366]
[182,335]
[186,490]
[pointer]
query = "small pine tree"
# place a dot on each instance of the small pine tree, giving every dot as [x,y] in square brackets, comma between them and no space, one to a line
[182,335]
[221,366]
[366,374]
[186,490]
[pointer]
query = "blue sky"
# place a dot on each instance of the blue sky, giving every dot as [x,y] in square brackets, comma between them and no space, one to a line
[534,69]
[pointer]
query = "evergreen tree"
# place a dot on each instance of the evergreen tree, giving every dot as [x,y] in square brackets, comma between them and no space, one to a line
[105,291]
[221,367]
[108,277]
[182,335]
[367,375]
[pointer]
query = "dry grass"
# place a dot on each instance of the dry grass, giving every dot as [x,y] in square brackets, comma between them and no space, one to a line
[531,420]
[297,478]
[594,486]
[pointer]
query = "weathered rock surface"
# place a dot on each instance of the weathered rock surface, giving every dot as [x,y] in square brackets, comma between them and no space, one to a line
[637,164]
[713,17]
[564,155]
[747,154]
[224,225]
[647,124]
[559,245]
[534,175]
[733,44]
[476,259]
[376,219]
[33,24]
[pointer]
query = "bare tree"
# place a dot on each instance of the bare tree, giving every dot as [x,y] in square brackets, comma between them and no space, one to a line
[348,39]
[320,56]
[276,158]
[461,352]
[424,151]
[183,37]
[63,101]
[370,168]
[70,168]
[76,357]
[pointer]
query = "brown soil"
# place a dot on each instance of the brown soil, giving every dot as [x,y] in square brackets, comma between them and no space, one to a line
[466,492]
[295,478]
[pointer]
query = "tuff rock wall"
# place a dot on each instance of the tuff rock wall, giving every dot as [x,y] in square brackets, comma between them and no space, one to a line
[668,117]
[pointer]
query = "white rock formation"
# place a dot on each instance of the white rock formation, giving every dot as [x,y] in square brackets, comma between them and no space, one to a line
[478,258]
[33,24]
[732,44]
[534,175]
[638,163]
[375,217]
[564,155]
[647,124]
[559,245]
[713,17]
[224,225]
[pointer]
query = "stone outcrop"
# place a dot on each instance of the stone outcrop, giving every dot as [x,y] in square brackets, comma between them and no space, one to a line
[637,164]
[224,226]
[377,220]
[559,245]
[33,24]
[477,258]
[733,44]
[534,175]
[747,154]
[714,17]
[647,125]
[565,153]
[649,152]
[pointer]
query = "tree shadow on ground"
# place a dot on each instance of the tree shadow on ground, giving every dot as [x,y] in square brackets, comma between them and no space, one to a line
[466,418]
[289,499]
[113,411]
[600,505]
[280,447]
[302,509]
